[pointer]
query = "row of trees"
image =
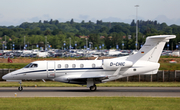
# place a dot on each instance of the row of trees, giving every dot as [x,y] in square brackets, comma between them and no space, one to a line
[60,35]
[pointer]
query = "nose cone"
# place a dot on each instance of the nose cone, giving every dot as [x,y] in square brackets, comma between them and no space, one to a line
[5,77]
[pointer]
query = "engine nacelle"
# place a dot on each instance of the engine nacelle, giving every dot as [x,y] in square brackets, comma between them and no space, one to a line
[112,64]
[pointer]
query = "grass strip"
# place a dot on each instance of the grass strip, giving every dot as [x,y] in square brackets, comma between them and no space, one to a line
[108,84]
[169,66]
[12,65]
[90,103]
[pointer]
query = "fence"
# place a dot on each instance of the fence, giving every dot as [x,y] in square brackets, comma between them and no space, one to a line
[5,71]
[161,76]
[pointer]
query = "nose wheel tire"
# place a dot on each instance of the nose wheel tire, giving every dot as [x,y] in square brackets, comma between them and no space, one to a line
[20,88]
[93,88]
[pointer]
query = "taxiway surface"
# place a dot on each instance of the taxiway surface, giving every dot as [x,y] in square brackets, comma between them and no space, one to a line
[85,92]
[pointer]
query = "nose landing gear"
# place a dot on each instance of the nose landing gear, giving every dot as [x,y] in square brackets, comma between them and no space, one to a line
[20,88]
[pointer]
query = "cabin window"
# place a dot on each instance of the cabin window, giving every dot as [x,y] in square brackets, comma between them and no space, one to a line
[93,65]
[66,65]
[73,65]
[134,69]
[59,65]
[81,65]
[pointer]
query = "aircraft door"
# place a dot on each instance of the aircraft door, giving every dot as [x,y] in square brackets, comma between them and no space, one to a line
[51,73]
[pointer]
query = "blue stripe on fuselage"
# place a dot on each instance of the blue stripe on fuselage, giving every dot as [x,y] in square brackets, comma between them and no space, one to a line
[59,69]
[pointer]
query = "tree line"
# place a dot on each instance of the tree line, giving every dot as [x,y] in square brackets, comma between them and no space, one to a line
[60,35]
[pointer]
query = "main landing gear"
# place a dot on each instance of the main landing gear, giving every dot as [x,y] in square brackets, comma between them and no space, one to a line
[93,88]
[20,88]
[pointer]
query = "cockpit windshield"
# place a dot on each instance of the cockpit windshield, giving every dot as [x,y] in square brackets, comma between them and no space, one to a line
[27,66]
[31,65]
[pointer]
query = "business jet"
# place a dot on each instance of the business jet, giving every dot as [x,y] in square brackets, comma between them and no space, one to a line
[92,72]
[114,53]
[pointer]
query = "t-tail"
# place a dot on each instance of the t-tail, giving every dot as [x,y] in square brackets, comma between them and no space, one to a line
[149,53]
[152,49]
[145,61]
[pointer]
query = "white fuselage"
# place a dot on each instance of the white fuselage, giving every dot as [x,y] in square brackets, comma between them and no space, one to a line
[53,69]
[67,69]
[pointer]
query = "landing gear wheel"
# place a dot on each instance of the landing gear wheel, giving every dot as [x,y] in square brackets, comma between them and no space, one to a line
[93,88]
[20,88]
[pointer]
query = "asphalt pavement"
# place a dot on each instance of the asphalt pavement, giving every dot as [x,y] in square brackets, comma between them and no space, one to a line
[85,92]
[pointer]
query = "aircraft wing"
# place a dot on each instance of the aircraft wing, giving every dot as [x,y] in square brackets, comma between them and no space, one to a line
[84,77]
[80,79]
[88,77]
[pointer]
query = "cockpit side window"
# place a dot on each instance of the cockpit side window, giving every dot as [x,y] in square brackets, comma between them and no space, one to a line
[31,65]
[34,65]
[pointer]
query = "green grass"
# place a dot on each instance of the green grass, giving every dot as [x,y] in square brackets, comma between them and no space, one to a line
[169,57]
[90,103]
[169,66]
[13,65]
[108,84]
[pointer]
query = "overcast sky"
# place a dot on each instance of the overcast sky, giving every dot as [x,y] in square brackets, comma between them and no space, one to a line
[15,12]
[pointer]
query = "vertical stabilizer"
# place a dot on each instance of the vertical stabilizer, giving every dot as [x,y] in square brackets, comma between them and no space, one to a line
[152,49]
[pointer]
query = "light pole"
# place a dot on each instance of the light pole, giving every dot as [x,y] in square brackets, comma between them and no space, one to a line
[28,45]
[45,43]
[100,49]
[5,42]
[13,46]
[136,26]
[90,44]
[122,45]
[47,46]
[70,45]
[86,44]
[117,46]
[103,46]
[24,43]
[3,46]
[167,46]
[64,45]
[76,46]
